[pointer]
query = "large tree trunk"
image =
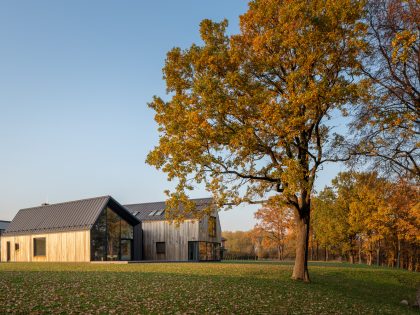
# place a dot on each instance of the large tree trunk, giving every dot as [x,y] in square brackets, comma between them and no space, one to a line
[300,270]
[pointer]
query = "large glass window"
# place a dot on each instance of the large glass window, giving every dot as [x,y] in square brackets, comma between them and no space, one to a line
[210,247]
[40,246]
[206,250]
[203,250]
[126,230]
[114,235]
[98,238]
[111,237]
[217,251]
[126,249]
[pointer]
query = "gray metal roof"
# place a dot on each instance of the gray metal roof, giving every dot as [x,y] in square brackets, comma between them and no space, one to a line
[4,224]
[66,216]
[155,211]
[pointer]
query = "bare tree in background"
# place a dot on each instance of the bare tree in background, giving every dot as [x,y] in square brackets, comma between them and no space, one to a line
[387,127]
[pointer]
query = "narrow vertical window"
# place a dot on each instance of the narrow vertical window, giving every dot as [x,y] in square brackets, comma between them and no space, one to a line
[212,226]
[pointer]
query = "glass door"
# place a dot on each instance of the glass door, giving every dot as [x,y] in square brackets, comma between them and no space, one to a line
[193,251]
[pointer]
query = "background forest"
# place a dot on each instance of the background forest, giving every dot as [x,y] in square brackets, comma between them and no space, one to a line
[360,218]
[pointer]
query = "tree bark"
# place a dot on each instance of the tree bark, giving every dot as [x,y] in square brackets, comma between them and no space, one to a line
[360,252]
[300,269]
[398,253]
[378,254]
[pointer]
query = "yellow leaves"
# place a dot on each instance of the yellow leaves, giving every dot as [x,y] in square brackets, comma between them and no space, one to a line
[244,107]
[402,44]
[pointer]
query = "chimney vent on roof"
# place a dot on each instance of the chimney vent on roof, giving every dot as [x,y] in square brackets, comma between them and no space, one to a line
[45,204]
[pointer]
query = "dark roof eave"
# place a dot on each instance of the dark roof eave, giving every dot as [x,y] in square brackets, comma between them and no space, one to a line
[48,231]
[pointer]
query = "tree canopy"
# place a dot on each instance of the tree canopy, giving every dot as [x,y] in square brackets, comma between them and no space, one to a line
[247,113]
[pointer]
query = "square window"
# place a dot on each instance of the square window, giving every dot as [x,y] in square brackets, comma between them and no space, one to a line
[40,246]
[160,247]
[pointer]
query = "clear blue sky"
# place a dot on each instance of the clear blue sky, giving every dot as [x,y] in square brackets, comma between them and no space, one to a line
[75,79]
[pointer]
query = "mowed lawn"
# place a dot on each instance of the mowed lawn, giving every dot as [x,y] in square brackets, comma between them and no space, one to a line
[199,288]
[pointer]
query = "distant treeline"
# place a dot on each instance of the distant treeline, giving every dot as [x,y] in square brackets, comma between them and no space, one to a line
[360,218]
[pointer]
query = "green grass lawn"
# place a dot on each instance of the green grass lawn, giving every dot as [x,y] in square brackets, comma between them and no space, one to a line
[197,288]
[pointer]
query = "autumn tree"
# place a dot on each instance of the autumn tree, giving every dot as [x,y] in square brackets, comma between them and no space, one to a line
[404,209]
[273,224]
[330,225]
[387,125]
[247,113]
[377,216]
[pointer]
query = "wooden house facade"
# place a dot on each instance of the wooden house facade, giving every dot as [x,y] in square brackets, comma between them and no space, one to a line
[101,229]
[190,240]
[96,229]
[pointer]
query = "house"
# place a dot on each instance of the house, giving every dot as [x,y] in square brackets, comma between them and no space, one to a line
[101,229]
[3,226]
[93,229]
[191,240]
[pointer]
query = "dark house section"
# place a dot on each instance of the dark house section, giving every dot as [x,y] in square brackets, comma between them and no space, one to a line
[116,235]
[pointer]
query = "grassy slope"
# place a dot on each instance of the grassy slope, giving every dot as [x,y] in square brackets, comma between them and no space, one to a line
[203,288]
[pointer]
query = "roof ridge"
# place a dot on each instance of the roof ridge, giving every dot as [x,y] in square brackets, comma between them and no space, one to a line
[145,203]
[65,202]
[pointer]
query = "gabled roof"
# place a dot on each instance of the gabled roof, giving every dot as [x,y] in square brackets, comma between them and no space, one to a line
[4,224]
[66,216]
[155,211]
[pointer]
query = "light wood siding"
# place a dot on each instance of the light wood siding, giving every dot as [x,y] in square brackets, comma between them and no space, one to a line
[64,246]
[175,237]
